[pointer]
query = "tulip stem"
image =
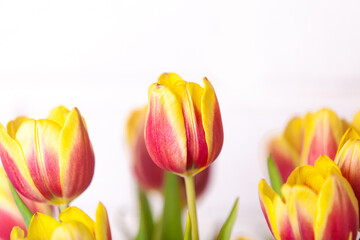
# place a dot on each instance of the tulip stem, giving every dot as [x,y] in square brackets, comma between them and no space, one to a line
[63,207]
[191,201]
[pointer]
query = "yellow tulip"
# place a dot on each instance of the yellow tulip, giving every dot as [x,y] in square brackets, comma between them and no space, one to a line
[74,225]
[317,203]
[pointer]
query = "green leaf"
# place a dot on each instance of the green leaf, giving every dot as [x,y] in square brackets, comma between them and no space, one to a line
[26,213]
[226,229]
[275,178]
[188,227]
[146,225]
[171,219]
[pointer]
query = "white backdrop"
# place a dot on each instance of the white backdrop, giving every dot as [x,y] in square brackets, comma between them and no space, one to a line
[267,61]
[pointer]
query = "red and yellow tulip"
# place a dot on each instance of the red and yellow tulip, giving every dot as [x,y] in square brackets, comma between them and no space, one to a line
[348,159]
[48,159]
[317,203]
[74,225]
[9,213]
[305,139]
[183,130]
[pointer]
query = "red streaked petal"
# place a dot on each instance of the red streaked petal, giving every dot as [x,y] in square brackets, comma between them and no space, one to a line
[165,134]
[28,138]
[337,210]
[102,225]
[8,221]
[14,163]
[212,123]
[76,156]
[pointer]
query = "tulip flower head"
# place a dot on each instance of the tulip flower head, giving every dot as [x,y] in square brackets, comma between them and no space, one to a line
[74,225]
[316,203]
[48,159]
[183,130]
[305,139]
[10,215]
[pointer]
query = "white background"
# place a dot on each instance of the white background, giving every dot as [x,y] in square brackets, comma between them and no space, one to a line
[267,60]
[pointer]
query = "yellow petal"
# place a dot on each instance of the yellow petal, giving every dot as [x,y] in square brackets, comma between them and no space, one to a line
[17,234]
[294,133]
[356,121]
[308,176]
[14,125]
[59,115]
[41,227]
[72,231]
[351,133]
[134,124]
[102,225]
[75,214]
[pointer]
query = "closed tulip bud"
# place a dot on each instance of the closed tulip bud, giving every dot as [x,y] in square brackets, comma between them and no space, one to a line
[183,130]
[147,173]
[10,215]
[49,159]
[316,203]
[348,159]
[74,225]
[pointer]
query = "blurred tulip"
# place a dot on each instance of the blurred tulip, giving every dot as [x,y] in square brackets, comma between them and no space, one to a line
[183,130]
[10,215]
[74,225]
[305,139]
[348,159]
[148,175]
[49,159]
[316,203]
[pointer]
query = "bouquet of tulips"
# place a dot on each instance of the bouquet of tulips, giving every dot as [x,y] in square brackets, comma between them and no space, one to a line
[47,163]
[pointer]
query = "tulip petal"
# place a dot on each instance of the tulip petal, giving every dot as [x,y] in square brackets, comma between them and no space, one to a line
[14,125]
[283,220]
[267,196]
[308,176]
[337,210]
[28,138]
[212,123]
[165,130]
[322,136]
[294,133]
[102,225]
[16,168]
[42,227]
[8,219]
[285,157]
[71,214]
[16,234]
[301,203]
[59,115]
[72,231]
[75,153]
[325,166]
[356,121]
[351,133]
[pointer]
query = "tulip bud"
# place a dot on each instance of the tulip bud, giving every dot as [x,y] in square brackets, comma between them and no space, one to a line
[10,215]
[316,203]
[49,159]
[74,224]
[148,175]
[183,130]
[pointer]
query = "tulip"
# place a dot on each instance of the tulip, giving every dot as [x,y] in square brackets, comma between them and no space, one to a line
[317,203]
[49,159]
[183,130]
[305,139]
[74,225]
[147,173]
[348,159]
[10,215]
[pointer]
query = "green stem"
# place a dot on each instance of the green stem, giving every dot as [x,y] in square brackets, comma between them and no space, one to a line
[26,213]
[63,207]
[191,201]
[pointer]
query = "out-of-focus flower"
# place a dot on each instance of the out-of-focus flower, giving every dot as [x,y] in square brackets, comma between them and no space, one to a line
[10,215]
[148,175]
[183,130]
[49,159]
[316,203]
[74,225]
[305,139]
[348,159]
